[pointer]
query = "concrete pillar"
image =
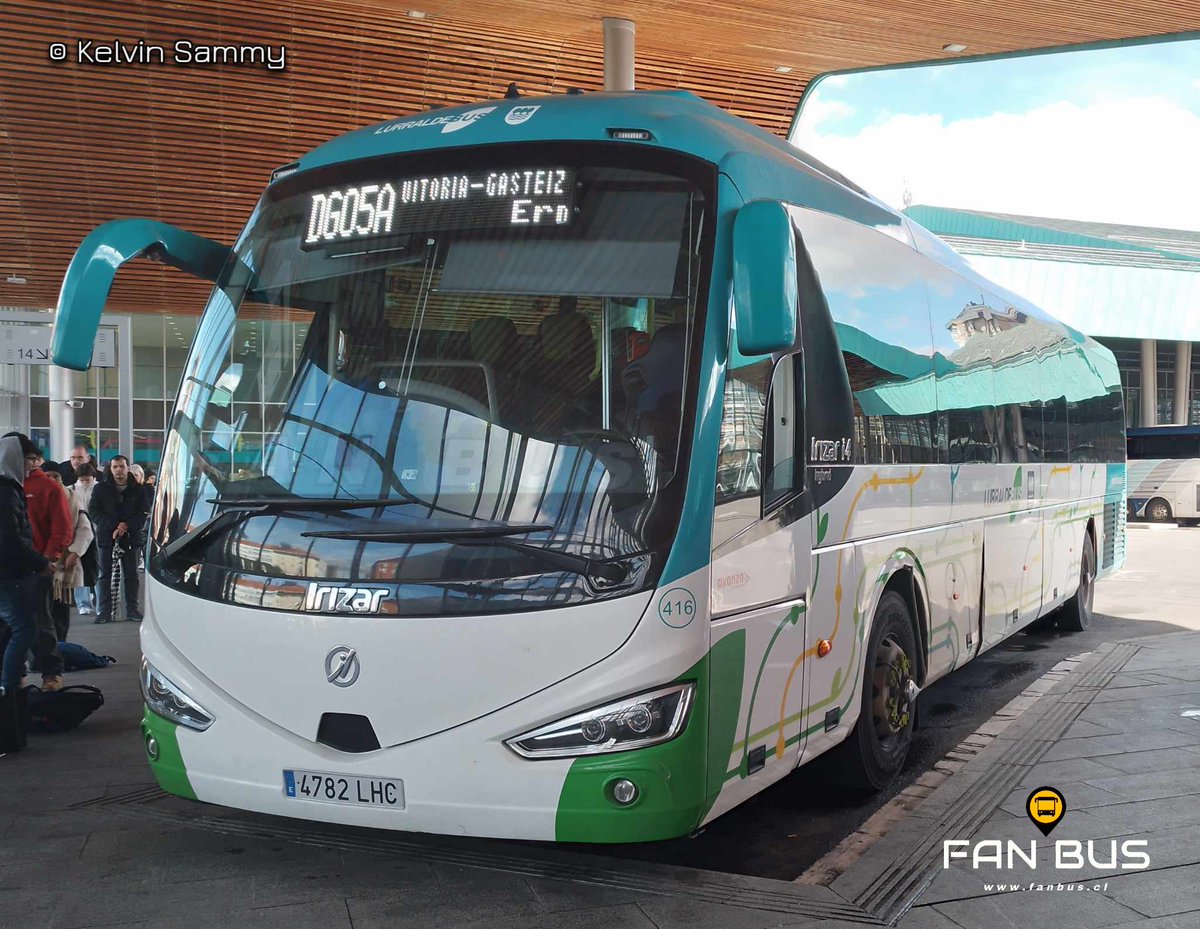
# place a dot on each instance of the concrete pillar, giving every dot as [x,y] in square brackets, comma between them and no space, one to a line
[1149,383]
[1183,381]
[618,53]
[62,413]
[125,384]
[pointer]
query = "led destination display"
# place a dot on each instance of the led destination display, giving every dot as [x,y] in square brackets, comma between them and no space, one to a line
[515,197]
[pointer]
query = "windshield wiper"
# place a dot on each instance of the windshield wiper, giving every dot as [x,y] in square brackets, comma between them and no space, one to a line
[236,509]
[498,534]
[311,503]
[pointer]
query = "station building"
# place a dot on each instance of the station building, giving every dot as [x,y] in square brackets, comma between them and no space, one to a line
[121,149]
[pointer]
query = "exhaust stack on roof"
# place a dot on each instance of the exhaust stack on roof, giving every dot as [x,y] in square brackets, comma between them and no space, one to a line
[618,53]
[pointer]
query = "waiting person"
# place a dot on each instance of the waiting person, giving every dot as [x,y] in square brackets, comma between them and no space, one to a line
[50,522]
[81,491]
[68,570]
[118,512]
[140,474]
[79,455]
[20,565]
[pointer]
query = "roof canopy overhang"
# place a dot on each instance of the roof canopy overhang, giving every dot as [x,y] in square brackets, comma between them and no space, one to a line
[194,145]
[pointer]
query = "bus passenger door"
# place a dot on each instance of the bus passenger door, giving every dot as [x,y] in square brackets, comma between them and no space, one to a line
[761,563]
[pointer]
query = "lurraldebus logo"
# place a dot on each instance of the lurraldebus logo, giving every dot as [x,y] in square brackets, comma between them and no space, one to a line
[1046,807]
[466,119]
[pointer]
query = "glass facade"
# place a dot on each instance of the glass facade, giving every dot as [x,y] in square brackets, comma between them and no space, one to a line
[160,345]
[1165,397]
[1128,353]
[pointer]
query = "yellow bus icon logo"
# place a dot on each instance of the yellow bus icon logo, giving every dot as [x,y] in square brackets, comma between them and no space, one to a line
[1045,808]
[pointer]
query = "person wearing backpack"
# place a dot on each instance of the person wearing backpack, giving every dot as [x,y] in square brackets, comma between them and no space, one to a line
[118,512]
[20,564]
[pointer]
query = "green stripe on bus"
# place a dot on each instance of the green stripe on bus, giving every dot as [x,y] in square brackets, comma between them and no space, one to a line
[169,769]
[678,781]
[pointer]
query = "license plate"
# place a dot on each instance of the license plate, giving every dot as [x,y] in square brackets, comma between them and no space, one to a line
[344,789]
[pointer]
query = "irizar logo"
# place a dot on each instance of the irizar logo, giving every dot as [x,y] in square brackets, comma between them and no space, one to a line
[462,120]
[1045,808]
[343,599]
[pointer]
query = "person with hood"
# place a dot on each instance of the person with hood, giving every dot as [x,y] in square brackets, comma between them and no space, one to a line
[118,512]
[20,564]
[50,521]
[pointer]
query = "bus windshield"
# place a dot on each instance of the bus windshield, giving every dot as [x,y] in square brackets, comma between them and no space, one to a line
[492,342]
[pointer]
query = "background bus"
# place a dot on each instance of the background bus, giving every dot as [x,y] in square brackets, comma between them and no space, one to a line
[1164,474]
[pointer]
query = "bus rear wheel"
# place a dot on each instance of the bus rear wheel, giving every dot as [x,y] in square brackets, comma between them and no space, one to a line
[1158,511]
[873,754]
[1076,613]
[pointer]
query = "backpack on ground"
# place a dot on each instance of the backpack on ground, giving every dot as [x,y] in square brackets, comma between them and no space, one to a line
[77,658]
[60,710]
[12,721]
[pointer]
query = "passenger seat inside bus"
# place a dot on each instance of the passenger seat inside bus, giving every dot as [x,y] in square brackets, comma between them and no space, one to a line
[495,343]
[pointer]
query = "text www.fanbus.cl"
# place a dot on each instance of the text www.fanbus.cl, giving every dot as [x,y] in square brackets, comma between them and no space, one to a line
[1034,885]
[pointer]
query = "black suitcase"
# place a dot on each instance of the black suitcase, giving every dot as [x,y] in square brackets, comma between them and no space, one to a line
[13,716]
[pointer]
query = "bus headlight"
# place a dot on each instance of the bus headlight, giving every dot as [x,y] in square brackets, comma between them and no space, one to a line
[168,701]
[635,722]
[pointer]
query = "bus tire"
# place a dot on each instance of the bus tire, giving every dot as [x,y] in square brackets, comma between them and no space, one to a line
[1158,511]
[1076,613]
[872,755]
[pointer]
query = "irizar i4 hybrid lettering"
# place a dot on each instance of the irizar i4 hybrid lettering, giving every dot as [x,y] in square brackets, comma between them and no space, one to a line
[578,477]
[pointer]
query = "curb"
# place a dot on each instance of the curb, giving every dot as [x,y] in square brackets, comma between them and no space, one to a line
[835,862]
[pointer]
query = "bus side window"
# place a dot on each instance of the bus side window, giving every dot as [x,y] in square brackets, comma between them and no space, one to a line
[1054,423]
[885,437]
[783,473]
[759,461]
[739,457]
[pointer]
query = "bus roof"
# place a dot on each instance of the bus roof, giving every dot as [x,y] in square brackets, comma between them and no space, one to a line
[759,163]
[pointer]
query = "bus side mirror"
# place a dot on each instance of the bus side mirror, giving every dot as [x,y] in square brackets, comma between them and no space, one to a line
[764,278]
[90,276]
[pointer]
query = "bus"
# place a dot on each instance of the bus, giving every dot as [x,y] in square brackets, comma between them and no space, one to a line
[574,467]
[1164,474]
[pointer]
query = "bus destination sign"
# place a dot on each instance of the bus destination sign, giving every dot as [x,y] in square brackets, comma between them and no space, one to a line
[512,198]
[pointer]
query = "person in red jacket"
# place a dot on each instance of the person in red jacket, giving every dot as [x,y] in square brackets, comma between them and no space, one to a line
[50,520]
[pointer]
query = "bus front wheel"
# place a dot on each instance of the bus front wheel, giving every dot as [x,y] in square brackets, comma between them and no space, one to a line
[876,749]
[1158,511]
[1076,613]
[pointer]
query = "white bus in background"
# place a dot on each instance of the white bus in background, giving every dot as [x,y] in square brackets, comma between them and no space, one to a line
[1164,474]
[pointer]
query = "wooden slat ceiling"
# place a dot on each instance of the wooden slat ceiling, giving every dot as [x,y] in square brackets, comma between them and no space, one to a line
[194,146]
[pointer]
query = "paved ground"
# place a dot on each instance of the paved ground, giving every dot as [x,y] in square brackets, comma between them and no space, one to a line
[86,840]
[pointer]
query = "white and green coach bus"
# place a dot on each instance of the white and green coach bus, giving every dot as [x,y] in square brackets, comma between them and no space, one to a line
[575,467]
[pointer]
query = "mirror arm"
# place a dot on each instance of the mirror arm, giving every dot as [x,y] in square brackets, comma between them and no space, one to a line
[93,268]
